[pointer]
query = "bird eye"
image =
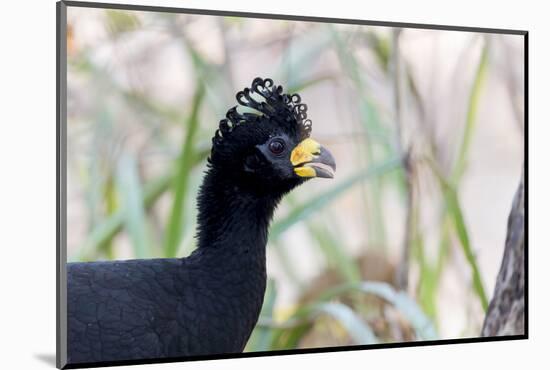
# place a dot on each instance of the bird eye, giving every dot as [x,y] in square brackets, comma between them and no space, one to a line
[277,146]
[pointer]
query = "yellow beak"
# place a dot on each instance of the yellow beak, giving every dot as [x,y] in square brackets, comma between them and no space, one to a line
[310,159]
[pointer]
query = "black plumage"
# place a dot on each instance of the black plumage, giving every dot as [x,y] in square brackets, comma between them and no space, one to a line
[209,302]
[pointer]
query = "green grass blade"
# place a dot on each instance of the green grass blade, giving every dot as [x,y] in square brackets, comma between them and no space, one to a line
[422,325]
[430,276]
[462,232]
[129,188]
[301,52]
[473,104]
[457,217]
[335,255]
[359,330]
[181,181]
[301,85]
[289,338]
[145,105]
[290,333]
[325,234]
[112,225]
[304,210]
[111,205]
[376,142]
[381,47]
[400,300]
[452,218]
[118,22]
[261,337]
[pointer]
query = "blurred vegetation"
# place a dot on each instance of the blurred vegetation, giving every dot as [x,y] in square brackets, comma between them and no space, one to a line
[139,190]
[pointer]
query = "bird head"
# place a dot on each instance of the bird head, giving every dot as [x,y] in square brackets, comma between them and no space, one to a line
[269,148]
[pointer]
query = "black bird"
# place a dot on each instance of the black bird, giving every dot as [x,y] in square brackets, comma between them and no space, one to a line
[209,302]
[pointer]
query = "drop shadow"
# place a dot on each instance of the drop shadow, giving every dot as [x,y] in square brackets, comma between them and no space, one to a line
[47,358]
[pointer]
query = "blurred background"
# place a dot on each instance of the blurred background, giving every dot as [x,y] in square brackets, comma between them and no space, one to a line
[426,127]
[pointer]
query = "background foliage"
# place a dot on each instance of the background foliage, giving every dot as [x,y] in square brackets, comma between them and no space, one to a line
[426,127]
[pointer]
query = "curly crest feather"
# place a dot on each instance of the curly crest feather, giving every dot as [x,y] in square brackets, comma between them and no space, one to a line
[286,110]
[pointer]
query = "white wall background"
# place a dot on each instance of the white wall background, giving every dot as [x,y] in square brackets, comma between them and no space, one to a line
[27,190]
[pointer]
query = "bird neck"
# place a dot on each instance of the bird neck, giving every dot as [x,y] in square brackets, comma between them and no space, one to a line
[232,218]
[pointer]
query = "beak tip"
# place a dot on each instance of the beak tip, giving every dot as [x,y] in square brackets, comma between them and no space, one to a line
[323,172]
